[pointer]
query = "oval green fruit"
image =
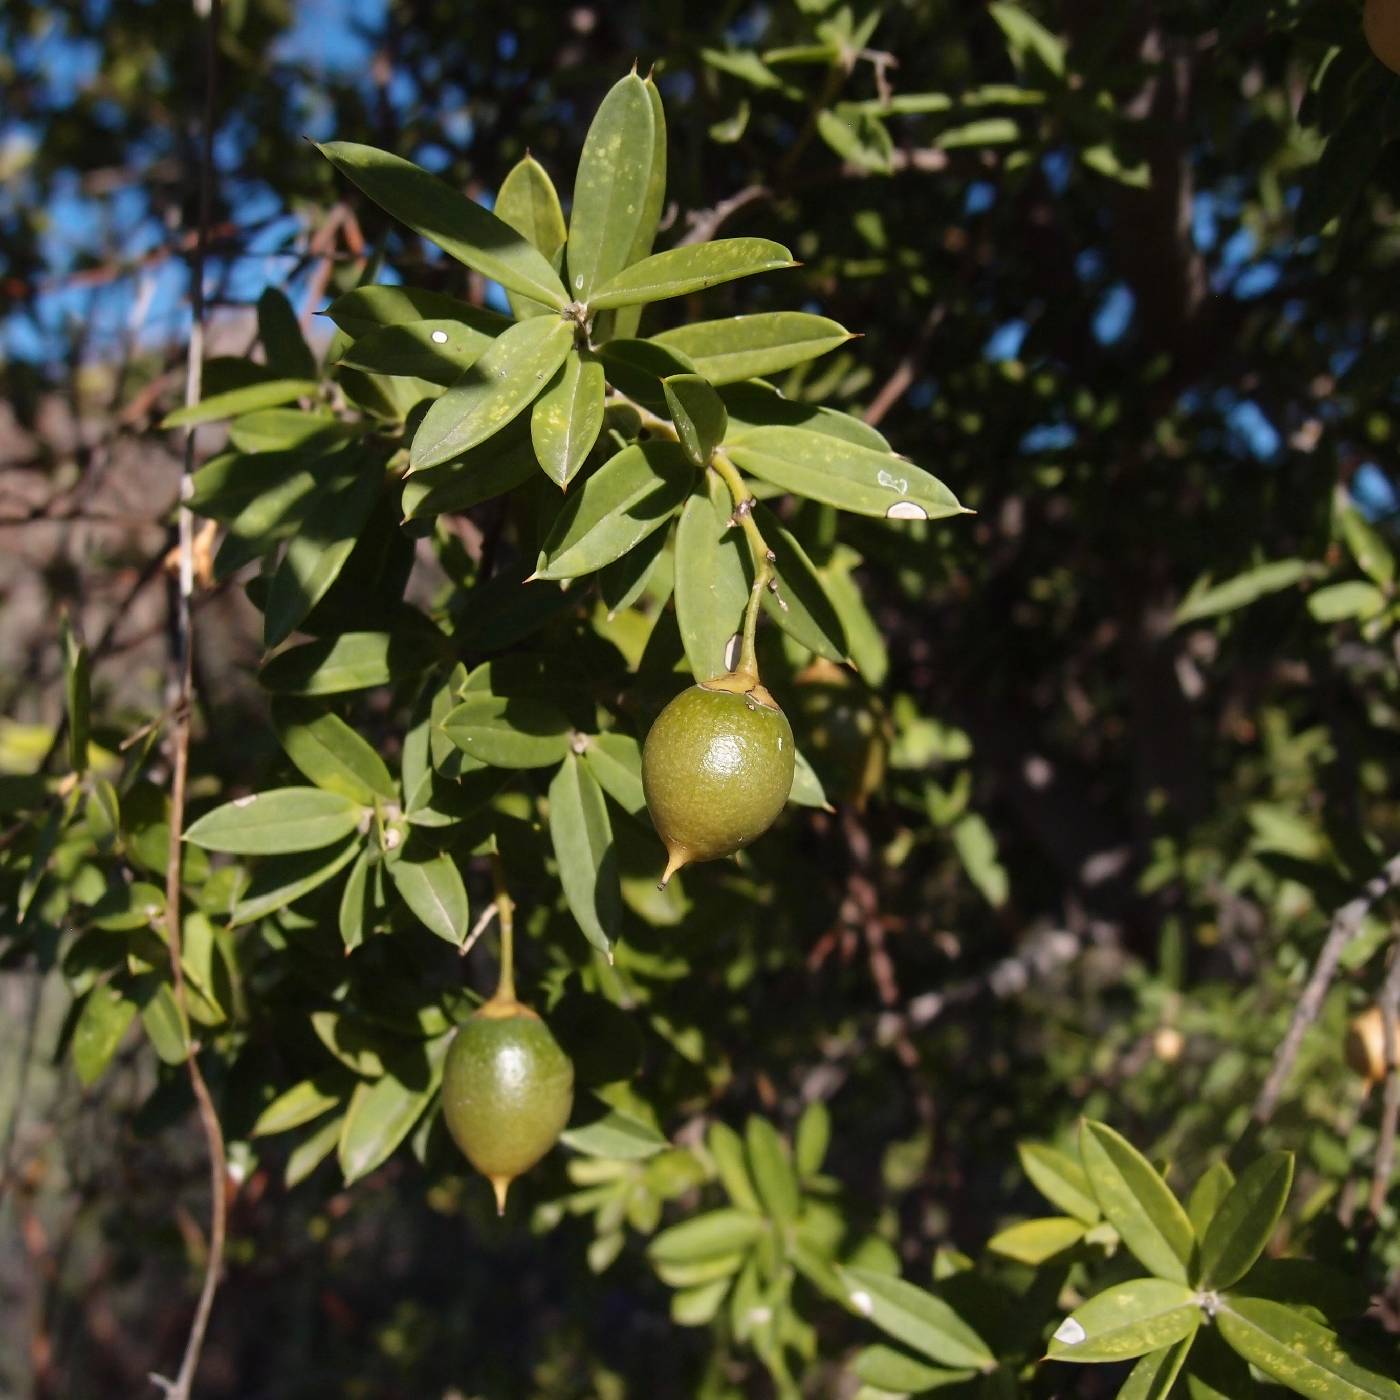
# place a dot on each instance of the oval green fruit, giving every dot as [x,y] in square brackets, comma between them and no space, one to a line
[507,1091]
[717,768]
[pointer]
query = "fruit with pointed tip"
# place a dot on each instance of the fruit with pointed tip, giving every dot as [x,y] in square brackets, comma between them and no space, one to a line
[1381,22]
[507,1091]
[717,768]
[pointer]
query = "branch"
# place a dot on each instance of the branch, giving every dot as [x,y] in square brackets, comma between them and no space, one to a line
[703,224]
[1390,1107]
[1346,924]
[183,686]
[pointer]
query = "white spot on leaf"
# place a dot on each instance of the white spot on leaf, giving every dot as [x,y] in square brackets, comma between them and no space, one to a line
[245,801]
[731,651]
[439,337]
[1070,1333]
[894,483]
[862,1302]
[906,510]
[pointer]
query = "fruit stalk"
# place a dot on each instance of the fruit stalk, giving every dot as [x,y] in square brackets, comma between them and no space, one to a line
[505,913]
[763,574]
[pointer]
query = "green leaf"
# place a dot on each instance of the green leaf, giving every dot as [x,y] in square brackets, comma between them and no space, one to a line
[753,405]
[502,383]
[898,1373]
[350,661]
[813,1139]
[365,309]
[352,1041]
[163,1024]
[1025,35]
[508,731]
[1213,600]
[382,1113]
[842,474]
[582,837]
[301,1104]
[1129,1319]
[460,227]
[529,203]
[1207,1194]
[976,845]
[708,1236]
[1368,547]
[917,1318]
[277,821]
[731,1163]
[615,760]
[353,915]
[288,354]
[637,367]
[267,393]
[309,1155]
[568,417]
[772,1171]
[101,1024]
[1245,1220]
[281,880]
[644,566]
[1297,1353]
[699,414]
[1153,1377]
[331,754]
[807,790]
[499,465]
[690,269]
[863,635]
[712,580]
[617,1136]
[77,683]
[433,889]
[1339,602]
[626,321]
[1034,1241]
[858,136]
[1137,1202]
[438,351]
[751,347]
[1335,1295]
[281,429]
[317,553]
[610,189]
[801,607]
[696,1307]
[1214,1372]
[617,507]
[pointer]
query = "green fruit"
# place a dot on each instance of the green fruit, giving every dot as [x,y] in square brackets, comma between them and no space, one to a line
[717,768]
[507,1091]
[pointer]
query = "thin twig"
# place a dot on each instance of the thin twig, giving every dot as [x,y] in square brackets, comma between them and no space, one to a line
[705,223]
[898,384]
[1346,924]
[183,685]
[1390,1106]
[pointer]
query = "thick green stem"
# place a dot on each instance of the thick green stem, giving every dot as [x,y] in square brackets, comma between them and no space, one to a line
[763,575]
[505,913]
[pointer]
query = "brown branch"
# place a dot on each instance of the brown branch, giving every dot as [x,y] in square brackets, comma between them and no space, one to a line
[1346,924]
[897,385]
[1390,1106]
[703,224]
[183,687]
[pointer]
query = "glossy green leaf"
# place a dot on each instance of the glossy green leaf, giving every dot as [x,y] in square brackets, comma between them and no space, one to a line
[690,269]
[1297,1353]
[617,1136]
[499,465]
[1127,1320]
[750,347]
[103,1021]
[698,413]
[623,581]
[731,1163]
[331,754]
[842,474]
[506,380]
[617,507]
[1137,1202]
[863,636]
[1034,1241]
[801,606]
[1339,602]
[917,1318]
[301,1104]
[317,553]
[581,833]
[458,225]
[438,351]
[1245,1220]
[716,1233]
[352,1041]
[77,685]
[712,580]
[1207,599]
[382,1114]
[353,916]
[615,760]
[277,821]
[1207,1194]
[163,1024]
[772,1171]
[1153,1377]
[283,429]
[1060,1179]
[626,320]
[284,346]
[754,405]
[267,393]
[366,309]
[567,418]
[508,731]
[349,661]
[309,1155]
[637,367]
[897,1373]
[529,203]
[807,790]
[858,136]
[433,889]
[281,880]
[610,188]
